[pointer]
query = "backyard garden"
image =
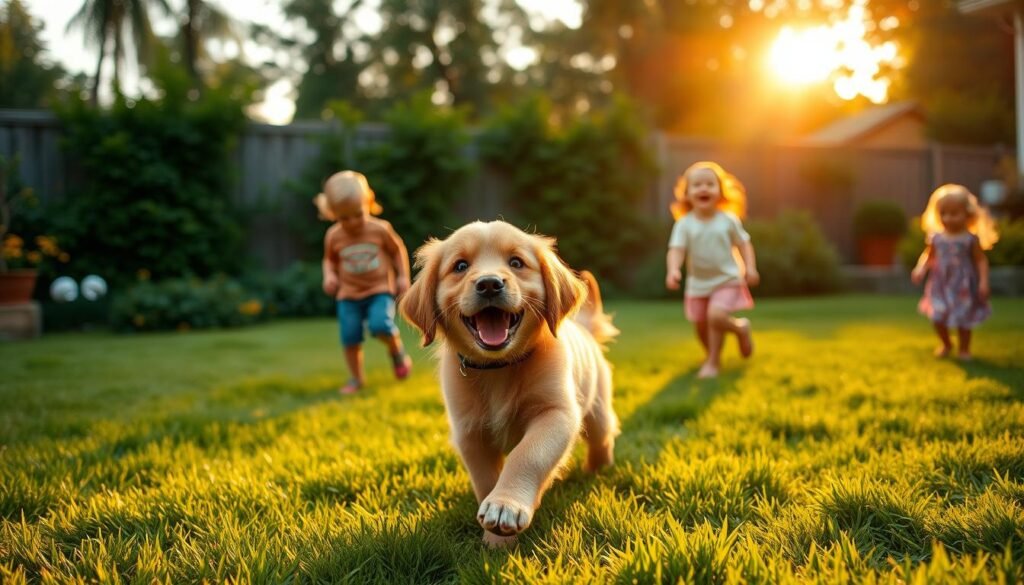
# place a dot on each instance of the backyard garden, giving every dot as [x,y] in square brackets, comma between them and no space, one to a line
[843,451]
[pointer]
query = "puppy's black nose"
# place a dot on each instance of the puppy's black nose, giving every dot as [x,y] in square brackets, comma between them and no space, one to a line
[489,286]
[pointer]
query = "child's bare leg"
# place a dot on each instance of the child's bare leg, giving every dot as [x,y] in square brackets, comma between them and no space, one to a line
[947,345]
[719,323]
[702,333]
[965,343]
[400,362]
[354,359]
[393,342]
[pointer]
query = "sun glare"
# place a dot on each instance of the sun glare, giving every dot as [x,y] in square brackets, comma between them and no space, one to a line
[837,52]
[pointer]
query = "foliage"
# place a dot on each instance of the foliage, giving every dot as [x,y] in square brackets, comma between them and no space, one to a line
[582,181]
[228,456]
[793,256]
[26,78]
[975,118]
[1008,251]
[156,190]
[293,292]
[114,27]
[17,254]
[417,173]
[879,218]
[185,304]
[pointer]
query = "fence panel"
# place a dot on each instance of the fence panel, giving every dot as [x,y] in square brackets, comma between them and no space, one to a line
[828,182]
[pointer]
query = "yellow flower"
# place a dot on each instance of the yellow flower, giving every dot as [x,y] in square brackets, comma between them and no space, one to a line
[250,307]
[64,257]
[142,274]
[48,245]
[12,252]
[13,242]
[34,257]
[138,320]
[183,327]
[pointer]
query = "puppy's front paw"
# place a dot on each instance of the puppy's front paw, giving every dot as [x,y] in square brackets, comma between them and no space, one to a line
[504,516]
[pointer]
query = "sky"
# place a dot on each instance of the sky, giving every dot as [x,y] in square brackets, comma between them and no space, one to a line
[68,48]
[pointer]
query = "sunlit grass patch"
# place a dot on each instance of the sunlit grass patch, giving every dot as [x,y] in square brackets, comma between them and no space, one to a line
[842,451]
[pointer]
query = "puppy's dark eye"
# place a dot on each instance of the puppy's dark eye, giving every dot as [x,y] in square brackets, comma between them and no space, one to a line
[516,262]
[461,266]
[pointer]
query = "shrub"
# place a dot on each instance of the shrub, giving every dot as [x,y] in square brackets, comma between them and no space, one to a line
[185,303]
[582,182]
[156,186]
[293,292]
[879,218]
[793,256]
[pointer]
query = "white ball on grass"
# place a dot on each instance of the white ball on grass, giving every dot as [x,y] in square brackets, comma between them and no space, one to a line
[93,287]
[64,289]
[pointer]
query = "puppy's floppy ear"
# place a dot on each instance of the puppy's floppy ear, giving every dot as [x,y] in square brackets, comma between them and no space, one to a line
[564,291]
[419,304]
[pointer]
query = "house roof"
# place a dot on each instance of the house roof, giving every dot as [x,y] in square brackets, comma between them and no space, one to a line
[859,125]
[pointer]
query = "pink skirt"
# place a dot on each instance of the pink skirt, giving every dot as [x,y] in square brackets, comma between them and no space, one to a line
[729,298]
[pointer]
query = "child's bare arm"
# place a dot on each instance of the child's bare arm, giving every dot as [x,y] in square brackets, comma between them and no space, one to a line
[921,268]
[673,262]
[750,263]
[329,265]
[981,265]
[401,263]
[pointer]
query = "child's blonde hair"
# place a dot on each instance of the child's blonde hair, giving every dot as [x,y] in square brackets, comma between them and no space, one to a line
[734,196]
[979,222]
[344,186]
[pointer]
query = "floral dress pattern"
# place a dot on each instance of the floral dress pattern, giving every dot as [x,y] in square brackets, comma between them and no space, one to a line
[951,293]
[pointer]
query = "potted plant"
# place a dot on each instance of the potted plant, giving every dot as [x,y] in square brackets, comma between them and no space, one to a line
[877,226]
[20,259]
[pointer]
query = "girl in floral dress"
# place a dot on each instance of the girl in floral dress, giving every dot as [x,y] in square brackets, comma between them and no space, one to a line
[958,231]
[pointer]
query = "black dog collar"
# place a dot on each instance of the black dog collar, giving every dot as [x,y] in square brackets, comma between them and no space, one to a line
[465,363]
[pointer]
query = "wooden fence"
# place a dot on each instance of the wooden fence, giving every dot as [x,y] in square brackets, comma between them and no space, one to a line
[828,182]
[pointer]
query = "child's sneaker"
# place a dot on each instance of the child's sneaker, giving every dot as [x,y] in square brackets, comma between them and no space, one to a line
[350,387]
[402,364]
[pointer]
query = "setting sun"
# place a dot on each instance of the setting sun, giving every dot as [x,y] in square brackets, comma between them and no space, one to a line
[838,52]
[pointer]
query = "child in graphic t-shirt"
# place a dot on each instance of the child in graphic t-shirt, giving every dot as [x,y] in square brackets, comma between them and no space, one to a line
[365,267]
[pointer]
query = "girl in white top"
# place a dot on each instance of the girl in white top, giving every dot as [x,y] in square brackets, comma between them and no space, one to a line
[708,235]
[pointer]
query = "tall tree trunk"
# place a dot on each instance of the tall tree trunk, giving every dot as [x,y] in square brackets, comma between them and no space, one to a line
[191,38]
[94,94]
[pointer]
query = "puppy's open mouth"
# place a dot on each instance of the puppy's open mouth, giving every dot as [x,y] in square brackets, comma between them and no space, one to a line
[493,328]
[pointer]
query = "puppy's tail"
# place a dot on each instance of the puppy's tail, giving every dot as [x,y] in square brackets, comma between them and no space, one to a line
[592,315]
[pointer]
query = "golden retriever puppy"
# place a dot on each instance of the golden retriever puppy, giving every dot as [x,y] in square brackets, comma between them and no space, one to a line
[521,380]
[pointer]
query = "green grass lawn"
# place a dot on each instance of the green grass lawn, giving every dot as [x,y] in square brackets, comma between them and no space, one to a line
[843,450]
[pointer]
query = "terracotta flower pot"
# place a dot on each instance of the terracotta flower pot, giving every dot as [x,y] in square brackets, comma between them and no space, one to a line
[16,286]
[877,250]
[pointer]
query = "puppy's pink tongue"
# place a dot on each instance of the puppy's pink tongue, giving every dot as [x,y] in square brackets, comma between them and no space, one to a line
[493,327]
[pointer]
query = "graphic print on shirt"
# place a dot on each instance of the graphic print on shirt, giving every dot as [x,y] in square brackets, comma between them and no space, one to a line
[360,258]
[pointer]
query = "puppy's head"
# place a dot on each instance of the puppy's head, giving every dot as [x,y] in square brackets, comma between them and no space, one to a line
[490,289]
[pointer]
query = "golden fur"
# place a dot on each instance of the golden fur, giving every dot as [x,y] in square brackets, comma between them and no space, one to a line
[514,424]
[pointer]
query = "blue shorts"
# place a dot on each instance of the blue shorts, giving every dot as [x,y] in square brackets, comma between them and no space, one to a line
[376,311]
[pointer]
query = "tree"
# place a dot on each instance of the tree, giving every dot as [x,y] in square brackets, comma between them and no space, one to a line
[114,26]
[203,21]
[448,46]
[26,78]
[332,67]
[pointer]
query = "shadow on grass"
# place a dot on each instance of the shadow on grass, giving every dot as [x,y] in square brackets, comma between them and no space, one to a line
[662,418]
[1012,376]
